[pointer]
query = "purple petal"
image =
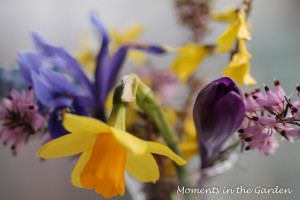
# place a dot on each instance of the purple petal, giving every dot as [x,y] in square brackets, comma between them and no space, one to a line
[55,126]
[62,59]
[116,62]
[28,62]
[50,92]
[112,71]
[218,112]
[103,55]
[156,49]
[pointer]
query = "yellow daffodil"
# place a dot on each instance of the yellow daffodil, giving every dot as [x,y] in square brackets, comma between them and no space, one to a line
[239,67]
[106,153]
[189,58]
[237,30]
[118,38]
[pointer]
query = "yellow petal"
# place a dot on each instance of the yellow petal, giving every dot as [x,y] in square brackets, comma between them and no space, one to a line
[82,124]
[189,148]
[160,149]
[67,145]
[229,16]
[189,58]
[189,127]
[137,57]
[243,49]
[171,115]
[243,32]
[249,80]
[84,158]
[109,103]
[142,167]
[132,33]
[131,143]
[227,39]
[237,68]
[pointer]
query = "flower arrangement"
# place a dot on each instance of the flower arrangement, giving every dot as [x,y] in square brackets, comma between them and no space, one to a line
[140,123]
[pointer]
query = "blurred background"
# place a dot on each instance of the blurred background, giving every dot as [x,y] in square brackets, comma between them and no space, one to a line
[275,48]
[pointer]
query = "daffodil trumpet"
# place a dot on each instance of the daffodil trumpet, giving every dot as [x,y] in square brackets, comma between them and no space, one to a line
[107,150]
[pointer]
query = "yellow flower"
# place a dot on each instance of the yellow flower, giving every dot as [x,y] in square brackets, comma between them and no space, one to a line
[118,38]
[239,67]
[229,16]
[85,55]
[106,153]
[238,29]
[189,58]
[189,145]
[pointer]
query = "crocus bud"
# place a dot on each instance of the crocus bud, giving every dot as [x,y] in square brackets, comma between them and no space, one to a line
[218,112]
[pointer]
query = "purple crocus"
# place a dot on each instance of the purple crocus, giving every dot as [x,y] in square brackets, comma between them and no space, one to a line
[218,112]
[56,92]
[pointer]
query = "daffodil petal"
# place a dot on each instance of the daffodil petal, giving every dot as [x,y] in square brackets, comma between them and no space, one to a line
[142,167]
[249,80]
[133,144]
[160,149]
[84,158]
[227,39]
[82,124]
[67,145]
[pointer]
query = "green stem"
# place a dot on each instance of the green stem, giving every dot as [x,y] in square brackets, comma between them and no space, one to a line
[147,102]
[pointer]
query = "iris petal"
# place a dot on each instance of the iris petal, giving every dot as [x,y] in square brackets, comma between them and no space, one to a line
[62,59]
[29,62]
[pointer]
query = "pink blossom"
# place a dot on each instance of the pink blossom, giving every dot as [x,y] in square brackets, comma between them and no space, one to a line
[20,119]
[164,84]
[264,142]
[266,116]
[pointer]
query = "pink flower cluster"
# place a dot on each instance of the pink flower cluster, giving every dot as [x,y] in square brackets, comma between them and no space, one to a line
[267,115]
[20,119]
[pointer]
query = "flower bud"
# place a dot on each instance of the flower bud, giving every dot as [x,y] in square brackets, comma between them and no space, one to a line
[218,112]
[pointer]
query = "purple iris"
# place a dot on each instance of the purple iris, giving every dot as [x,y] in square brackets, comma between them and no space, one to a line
[218,112]
[55,91]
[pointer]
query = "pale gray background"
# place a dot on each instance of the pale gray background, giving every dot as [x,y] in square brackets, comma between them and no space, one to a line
[275,48]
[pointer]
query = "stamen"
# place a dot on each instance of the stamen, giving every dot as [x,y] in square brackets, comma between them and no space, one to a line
[267,88]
